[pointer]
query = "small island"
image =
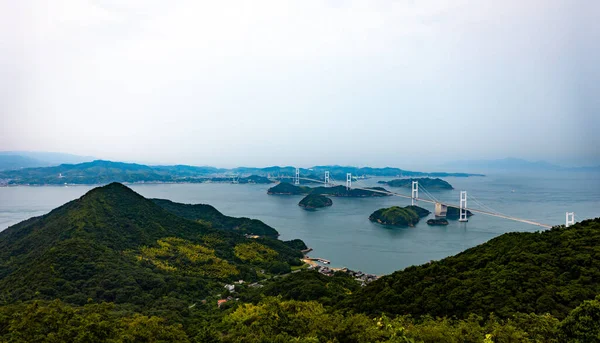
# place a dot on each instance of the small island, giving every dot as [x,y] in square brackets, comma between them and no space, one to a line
[284,188]
[314,201]
[399,216]
[437,222]
[426,182]
[454,213]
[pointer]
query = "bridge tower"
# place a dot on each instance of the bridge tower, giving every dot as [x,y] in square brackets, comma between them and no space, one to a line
[327,179]
[463,207]
[348,181]
[570,219]
[297,178]
[415,193]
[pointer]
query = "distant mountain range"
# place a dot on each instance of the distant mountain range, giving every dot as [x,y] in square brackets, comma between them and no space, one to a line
[10,160]
[514,165]
[101,172]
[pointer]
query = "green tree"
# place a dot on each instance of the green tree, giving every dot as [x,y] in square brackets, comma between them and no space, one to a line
[582,325]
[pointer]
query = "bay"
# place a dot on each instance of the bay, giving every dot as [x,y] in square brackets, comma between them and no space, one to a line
[343,234]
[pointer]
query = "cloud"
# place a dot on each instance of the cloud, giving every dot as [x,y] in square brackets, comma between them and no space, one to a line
[266,82]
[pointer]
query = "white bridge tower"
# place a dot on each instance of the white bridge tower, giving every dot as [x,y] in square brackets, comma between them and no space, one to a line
[297,178]
[415,193]
[570,219]
[463,207]
[348,181]
[327,179]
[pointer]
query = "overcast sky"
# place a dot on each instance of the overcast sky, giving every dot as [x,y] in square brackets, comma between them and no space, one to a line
[226,83]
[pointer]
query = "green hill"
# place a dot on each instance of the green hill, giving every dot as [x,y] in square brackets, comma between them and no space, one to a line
[211,216]
[285,188]
[426,182]
[114,245]
[399,216]
[312,201]
[543,272]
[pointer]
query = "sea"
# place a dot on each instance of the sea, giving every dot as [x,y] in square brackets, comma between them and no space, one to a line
[343,233]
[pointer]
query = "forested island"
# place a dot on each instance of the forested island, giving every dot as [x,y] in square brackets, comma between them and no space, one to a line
[103,172]
[284,188]
[399,216]
[314,201]
[428,183]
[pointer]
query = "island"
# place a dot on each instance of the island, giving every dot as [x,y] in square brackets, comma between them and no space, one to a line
[314,201]
[284,188]
[426,182]
[437,222]
[399,216]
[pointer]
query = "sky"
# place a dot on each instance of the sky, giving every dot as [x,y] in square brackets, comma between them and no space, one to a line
[227,83]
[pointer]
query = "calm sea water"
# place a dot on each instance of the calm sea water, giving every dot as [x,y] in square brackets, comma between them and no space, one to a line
[343,233]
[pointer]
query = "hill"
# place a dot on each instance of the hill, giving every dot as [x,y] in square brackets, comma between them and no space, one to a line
[114,245]
[313,201]
[11,162]
[543,272]
[285,188]
[210,216]
[102,172]
[399,216]
[428,183]
[30,172]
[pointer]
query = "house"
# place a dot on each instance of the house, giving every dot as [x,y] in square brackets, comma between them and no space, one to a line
[221,302]
[230,288]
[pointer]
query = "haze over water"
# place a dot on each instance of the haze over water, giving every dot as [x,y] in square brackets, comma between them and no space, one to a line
[343,233]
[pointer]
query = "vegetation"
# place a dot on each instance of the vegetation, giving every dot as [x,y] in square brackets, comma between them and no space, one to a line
[211,216]
[114,245]
[543,272]
[296,244]
[399,216]
[274,319]
[313,201]
[255,252]
[428,183]
[284,188]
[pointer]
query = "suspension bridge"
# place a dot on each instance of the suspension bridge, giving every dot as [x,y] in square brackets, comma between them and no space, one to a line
[440,207]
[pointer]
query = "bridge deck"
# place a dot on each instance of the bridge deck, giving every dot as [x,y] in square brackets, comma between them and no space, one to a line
[526,221]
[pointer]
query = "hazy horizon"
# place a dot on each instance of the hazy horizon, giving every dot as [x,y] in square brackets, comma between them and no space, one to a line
[406,84]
